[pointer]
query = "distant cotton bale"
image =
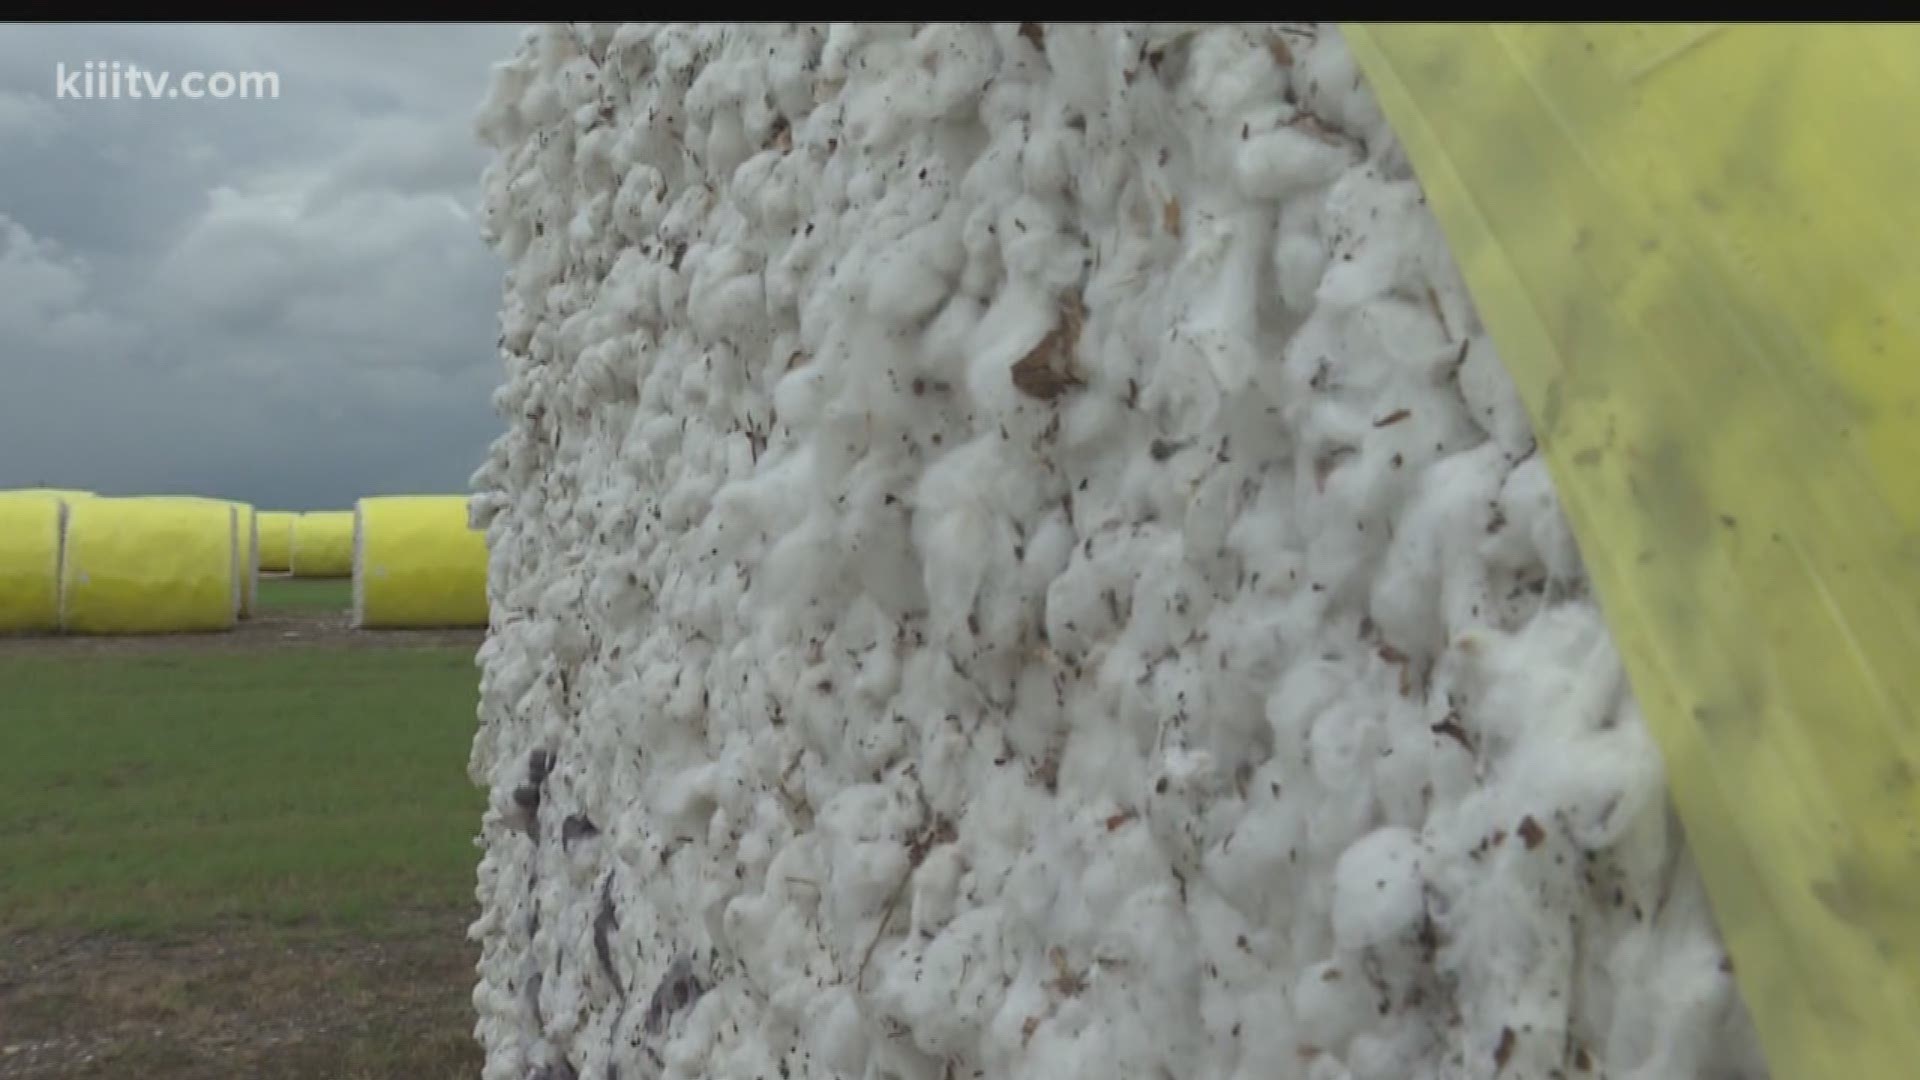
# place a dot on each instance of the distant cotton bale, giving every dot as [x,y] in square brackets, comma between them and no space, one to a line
[276,539]
[155,565]
[250,570]
[246,547]
[30,528]
[322,544]
[417,563]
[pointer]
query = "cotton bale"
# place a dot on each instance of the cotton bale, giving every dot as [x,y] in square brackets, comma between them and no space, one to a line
[276,540]
[149,565]
[322,544]
[1147,641]
[30,532]
[417,562]
[246,547]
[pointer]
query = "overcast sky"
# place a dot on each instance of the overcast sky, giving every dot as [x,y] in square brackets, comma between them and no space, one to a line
[285,302]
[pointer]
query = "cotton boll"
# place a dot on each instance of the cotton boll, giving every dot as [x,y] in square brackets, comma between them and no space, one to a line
[800,395]
[1048,159]
[1059,259]
[1233,72]
[1301,695]
[1405,1052]
[1492,399]
[1210,515]
[1222,328]
[963,58]
[912,279]
[1299,263]
[1079,611]
[1329,80]
[1049,548]
[1330,1001]
[1019,318]
[1377,889]
[1533,514]
[1183,394]
[945,343]
[1285,160]
[1363,270]
[1257,867]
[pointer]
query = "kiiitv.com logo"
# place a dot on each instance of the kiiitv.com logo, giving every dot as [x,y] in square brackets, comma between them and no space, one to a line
[113,80]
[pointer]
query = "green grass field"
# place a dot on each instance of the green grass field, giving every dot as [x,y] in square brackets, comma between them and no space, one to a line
[159,792]
[255,862]
[305,594]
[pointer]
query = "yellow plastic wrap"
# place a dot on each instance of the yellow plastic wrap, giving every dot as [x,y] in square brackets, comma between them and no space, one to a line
[250,568]
[148,566]
[246,543]
[417,563]
[322,544]
[276,540]
[30,563]
[1693,248]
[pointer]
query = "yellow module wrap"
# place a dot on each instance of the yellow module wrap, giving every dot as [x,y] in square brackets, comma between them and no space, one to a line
[29,563]
[148,566]
[250,569]
[322,544]
[417,563]
[246,548]
[276,539]
[1693,247]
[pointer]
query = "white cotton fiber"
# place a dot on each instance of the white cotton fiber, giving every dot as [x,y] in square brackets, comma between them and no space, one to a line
[1012,556]
[1377,889]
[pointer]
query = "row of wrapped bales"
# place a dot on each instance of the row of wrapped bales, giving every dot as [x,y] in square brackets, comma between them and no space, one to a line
[322,545]
[417,562]
[276,540]
[150,565]
[30,529]
[50,586]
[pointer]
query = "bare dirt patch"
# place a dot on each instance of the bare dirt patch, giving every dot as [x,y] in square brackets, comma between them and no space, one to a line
[272,1003]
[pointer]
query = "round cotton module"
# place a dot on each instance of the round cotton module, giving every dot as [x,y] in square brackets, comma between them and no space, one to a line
[30,534]
[136,566]
[1013,552]
[322,545]
[417,563]
[250,561]
[245,547]
[276,540]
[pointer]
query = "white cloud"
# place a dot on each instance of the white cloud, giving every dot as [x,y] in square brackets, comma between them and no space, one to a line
[26,117]
[284,301]
[47,305]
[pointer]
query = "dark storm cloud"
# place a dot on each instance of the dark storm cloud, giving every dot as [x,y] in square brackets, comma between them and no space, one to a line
[282,301]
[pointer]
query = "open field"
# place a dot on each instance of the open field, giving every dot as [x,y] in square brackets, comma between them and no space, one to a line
[242,854]
[281,593]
